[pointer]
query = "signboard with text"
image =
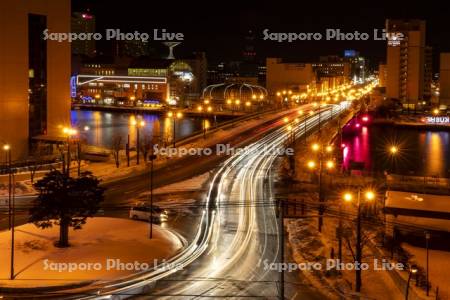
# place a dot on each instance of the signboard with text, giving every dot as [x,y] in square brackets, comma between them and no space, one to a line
[443,120]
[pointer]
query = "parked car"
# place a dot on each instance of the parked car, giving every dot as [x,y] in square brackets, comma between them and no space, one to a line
[143,212]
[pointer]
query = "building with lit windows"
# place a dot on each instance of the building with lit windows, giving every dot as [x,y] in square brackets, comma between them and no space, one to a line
[406,62]
[120,90]
[83,22]
[444,79]
[305,77]
[34,73]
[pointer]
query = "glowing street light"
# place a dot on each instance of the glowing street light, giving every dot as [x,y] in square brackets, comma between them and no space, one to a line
[311,164]
[138,125]
[330,164]
[369,195]
[393,150]
[348,197]
[315,147]
[174,116]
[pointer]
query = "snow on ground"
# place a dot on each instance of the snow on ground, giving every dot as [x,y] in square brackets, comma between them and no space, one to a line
[100,241]
[439,266]
[417,201]
[193,184]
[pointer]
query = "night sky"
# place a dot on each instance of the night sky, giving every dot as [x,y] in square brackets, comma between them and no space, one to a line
[220,27]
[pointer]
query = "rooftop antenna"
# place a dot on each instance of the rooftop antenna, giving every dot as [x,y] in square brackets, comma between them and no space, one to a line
[171,45]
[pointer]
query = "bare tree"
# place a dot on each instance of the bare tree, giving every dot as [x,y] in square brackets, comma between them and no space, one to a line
[116,147]
[36,159]
[145,147]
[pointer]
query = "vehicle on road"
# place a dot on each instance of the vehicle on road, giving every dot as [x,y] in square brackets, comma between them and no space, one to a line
[144,212]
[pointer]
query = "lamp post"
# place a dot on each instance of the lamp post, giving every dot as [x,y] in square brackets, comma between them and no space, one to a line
[138,125]
[427,239]
[69,132]
[200,109]
[369,196]
[152,158]
[11,205]
[321,164]
[412,270]
[174,116]
[393,150]
[7,149]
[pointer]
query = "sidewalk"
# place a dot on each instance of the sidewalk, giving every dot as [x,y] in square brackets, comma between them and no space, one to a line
[103,250]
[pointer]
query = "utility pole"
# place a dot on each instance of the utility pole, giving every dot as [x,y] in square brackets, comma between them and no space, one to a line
[281,246]
[427,239]
[358,281]
[12,230]
[152,158]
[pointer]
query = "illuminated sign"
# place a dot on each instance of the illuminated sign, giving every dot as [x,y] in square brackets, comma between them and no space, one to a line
[349,53]
[73,86]
[437,120]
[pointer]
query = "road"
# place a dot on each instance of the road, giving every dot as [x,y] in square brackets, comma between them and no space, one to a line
[245,232]
[238,233]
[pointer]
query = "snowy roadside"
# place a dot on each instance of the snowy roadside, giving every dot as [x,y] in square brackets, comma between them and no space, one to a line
[107,171]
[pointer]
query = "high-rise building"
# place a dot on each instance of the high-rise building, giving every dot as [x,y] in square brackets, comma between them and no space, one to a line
[83,22]
[406,61]
[444,79]
[357,65]
[428,74]
[249,52]
[34,72]
[132,48]
[382,75]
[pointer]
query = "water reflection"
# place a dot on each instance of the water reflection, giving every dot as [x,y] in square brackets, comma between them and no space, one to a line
[420,152]
[106,126]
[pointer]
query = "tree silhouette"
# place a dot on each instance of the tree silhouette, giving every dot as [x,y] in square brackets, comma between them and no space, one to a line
[65,201]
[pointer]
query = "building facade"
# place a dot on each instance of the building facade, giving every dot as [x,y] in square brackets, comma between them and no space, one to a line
[34,73]
[406,62]
[291,76]
[444,79]
[83,22]
[382,75]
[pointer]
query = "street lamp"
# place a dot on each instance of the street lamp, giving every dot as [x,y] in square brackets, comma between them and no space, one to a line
[329,165]
[11,204]
[412,270]
[174,116]
[68,132]
[369,196]
[138,125]
[7,149]
[393,150]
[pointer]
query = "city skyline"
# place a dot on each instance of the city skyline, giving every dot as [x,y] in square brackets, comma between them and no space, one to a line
[258,150]
[230,24]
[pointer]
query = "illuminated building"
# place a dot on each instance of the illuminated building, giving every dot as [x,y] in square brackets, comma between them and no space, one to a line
[357,65]
[306,77]
[120,90]
[428,75]
[406,61]
[83,22]
[282,75]
[382,75]
[444,79]
[34,73]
